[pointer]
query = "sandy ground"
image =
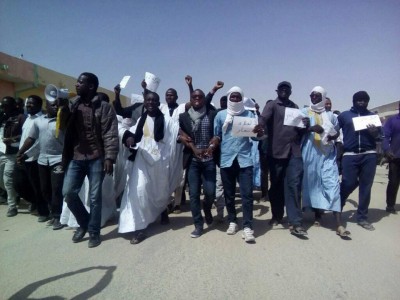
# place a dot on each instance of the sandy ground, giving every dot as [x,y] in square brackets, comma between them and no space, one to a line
[39,263]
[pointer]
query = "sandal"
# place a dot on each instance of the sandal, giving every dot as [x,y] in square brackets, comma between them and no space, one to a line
[298,230]
[342,232]
[366,225]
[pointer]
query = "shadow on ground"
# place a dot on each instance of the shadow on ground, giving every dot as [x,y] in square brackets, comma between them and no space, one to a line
[101,284]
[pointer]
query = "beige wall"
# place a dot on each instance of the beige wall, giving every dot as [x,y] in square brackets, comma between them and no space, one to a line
[20,78]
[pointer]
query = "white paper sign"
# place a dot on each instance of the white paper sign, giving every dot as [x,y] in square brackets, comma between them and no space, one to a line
[124,81]
[293,117]
[152,81]
[361,123]
[243,126]
[136,98]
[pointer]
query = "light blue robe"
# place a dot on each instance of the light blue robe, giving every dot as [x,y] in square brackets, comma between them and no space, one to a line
[321,188]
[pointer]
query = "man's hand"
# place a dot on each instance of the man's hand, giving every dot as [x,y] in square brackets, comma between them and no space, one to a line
[259,130]
[217,86]
[373,130]
[306,122]
[130,142]
[108,167]
[117,90]
[198,153]
[144,84]
[316,128]
[188,79]
[20,158]
[389,155]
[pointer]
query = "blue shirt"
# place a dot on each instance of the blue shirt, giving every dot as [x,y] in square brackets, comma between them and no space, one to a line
[391,141]
[51,147]
[232,146]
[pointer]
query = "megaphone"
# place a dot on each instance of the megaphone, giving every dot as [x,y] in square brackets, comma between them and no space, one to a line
[51,92]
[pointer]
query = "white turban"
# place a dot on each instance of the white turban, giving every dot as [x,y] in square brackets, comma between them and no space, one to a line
[233,108]
[319,107]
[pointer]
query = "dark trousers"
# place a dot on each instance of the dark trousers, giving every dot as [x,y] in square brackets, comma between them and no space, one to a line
[198,173]
[358,171]
[264,173]
[229,178]
[286,178]
[51,184]
[394,181]
[27,185]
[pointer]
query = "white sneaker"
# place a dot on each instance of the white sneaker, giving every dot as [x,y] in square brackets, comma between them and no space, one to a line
[233,228]
[248,236]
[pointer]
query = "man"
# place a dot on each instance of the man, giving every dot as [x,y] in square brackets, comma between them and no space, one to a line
[286,164]
[199,159]
[51,144]
[10,135]
[391,148]
[359,157]
[338,141]
[236,163]
[91,147]
[27,183]
[154,169]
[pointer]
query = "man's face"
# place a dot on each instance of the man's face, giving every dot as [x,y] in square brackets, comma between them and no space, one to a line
[328,105]
[7,106]
[223,103]
[82,86]
[52,108]
[284,92]
[235,97]
[32,107]
[197,100]
[361,103]
[315,97]
[171,97]
[151,103]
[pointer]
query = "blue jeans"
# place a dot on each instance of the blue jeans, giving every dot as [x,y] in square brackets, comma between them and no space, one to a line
[198,173]
[358,171]
[73,180]
[245,176]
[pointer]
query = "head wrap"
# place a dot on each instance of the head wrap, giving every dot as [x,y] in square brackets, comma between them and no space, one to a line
[234,108]
[320,106]
[360,95]
[249,104]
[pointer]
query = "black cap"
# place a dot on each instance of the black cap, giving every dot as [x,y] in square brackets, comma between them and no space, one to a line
[286,83]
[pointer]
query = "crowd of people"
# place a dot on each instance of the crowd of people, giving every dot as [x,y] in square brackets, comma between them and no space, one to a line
[93,156]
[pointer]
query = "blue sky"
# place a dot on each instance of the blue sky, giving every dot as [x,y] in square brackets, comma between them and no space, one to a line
[344,46]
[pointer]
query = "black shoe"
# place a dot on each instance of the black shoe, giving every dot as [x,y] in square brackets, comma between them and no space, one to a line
[391,210]
[208,217]
[78,235]
[138,237]
[274,222]
[12,212]
[164,218]
[42,219]
[56,224]
[32,207]
[94,240]
[197,232]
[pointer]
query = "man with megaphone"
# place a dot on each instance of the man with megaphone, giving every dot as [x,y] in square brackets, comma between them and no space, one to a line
[47,130]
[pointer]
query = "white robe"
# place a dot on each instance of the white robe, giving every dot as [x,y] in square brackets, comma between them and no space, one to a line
[152,177]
